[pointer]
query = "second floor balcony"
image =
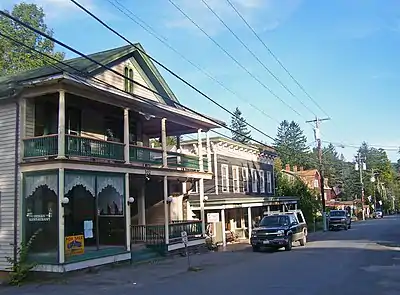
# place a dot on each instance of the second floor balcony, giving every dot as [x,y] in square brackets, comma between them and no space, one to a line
[82,129]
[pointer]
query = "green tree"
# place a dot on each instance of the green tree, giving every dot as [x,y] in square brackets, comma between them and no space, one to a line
[240,132]
[171,141]
[308,202]
[15,58]
[291,145]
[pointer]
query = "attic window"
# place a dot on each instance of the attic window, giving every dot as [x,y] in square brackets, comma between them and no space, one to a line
[128,85]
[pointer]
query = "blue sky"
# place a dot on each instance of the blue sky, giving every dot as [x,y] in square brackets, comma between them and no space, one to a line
[344,53]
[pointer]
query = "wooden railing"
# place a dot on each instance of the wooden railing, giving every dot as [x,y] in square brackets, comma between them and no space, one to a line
[155,234]
[85,147]
[41,146]
[79,146]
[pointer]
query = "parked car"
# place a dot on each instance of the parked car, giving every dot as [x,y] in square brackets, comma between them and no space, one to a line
[339,219]
[280,230]
[378,214]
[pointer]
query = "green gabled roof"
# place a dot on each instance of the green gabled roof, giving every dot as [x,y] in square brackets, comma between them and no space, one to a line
[8,84]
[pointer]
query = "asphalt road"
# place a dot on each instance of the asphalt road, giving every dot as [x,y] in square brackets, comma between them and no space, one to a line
[362,260]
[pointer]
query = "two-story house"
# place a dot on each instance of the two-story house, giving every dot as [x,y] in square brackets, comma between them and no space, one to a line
[76,167]
[312,179]
[242,187]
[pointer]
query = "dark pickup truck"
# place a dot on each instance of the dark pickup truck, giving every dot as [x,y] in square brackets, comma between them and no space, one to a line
[280,230]
[339,219]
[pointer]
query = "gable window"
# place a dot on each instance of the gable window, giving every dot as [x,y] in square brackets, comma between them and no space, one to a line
[225,178]
[235,177]
[262,181]
[254,180]
[130,80]
[269,182]
[126,81]
[245,177]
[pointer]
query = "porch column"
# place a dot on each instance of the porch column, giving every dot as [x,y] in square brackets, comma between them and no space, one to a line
[249,221]
[142,205]
[200,151]
[164,141]
[128,214]
[61,238]
[61,124]
[202,214]
[22,107]
[208,147]
[223,227]
[126,136]
[166,207]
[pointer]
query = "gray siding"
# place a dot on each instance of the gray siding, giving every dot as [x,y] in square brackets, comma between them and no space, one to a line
[7,192]
[230,161]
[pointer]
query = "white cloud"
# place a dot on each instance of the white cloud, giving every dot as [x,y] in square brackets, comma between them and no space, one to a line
[261,14]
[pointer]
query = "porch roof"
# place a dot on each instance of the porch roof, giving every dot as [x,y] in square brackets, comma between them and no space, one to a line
[217,200]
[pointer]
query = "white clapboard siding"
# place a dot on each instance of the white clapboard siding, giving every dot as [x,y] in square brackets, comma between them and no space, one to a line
[7,165]
[118,81]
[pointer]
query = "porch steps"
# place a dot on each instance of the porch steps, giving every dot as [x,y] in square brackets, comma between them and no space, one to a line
[141,253]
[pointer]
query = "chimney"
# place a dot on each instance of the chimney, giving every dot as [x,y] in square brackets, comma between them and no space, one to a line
[301,168]
[287,168]
[294,168]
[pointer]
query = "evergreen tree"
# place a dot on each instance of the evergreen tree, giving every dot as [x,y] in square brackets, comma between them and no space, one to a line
[291,145]
[240,132]
[15,58]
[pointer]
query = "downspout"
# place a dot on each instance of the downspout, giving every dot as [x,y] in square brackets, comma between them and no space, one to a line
[17,123]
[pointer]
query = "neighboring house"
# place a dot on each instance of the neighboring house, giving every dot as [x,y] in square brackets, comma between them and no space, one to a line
[312,179]
[76,163]
[242,186]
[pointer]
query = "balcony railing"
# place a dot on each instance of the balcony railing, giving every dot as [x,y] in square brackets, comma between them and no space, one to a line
[78,146]
[85,147]
[42,146]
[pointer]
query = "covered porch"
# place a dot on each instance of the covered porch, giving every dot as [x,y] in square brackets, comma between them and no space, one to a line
[231,220]
[95,125]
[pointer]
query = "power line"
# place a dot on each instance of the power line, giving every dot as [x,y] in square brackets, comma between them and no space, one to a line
[160,64]
[256,57]
[275,57]
[136,19]
[103,66]
[232,57]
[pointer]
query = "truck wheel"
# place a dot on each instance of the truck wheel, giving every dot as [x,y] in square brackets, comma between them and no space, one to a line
[288,247]
[303,241]
[256,249]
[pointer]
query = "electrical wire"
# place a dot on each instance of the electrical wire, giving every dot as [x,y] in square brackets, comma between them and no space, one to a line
[145,26]
[233,58]
[161,65]
[275,57]
[256,57]
[105,83]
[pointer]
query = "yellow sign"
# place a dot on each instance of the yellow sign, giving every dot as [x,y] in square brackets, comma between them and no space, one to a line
[74,245]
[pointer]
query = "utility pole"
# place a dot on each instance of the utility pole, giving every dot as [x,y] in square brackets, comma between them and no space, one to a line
[317,136]
[360,165]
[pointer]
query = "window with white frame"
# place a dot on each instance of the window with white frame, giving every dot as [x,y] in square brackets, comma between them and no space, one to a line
[269,182]
[262,181]
[245,177]
[235,179]
[254,180]
[316,183]
[225,178]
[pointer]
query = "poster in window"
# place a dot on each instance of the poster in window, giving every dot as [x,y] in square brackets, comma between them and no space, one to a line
[74,245]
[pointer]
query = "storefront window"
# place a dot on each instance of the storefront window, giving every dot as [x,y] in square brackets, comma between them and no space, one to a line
[41,219]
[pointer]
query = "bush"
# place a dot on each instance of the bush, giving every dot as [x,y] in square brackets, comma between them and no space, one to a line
[21,266]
